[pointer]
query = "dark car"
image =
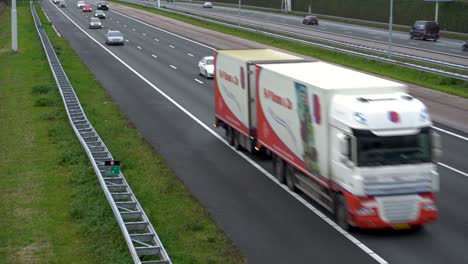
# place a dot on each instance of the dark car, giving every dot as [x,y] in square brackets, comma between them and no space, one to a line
[310,20]
[465,46]
[425,30]
[102,5]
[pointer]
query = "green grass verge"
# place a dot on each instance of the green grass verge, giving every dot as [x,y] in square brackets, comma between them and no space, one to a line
[53,209]
[429,80]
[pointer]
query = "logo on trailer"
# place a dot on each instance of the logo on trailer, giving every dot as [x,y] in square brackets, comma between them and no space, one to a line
[317,114]
[394,117]
[242,76]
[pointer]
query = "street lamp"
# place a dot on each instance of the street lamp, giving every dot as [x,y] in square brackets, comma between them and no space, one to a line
[390,30]
[14,27]
[238,13]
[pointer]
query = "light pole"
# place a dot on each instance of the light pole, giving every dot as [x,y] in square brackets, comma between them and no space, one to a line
[14,27]
[159,3]
[390,30]
[238,13]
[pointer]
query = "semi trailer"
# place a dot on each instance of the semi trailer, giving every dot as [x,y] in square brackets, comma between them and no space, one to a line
[358,145]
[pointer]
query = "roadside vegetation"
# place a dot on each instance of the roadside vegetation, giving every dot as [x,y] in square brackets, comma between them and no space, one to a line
[53,209]
[429,80]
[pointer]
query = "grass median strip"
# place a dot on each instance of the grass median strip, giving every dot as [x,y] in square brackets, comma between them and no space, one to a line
[420,78]
[53,209]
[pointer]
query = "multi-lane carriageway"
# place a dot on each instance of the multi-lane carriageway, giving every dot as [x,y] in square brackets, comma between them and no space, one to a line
[155,81]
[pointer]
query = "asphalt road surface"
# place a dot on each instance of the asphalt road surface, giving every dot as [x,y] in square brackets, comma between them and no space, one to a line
[266,222]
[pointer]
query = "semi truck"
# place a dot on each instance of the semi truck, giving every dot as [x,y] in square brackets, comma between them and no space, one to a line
[358,145]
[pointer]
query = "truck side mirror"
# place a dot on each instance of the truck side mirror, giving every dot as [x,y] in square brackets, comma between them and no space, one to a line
[436,146]
[343,142]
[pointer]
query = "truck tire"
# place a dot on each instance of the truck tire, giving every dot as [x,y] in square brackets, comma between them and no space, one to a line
[278,169]
[236,141]
[341,213]
[291,178]
[230,135]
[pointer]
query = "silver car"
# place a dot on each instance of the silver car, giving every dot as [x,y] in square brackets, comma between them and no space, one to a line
[95,22]
[206,67]
[114,37]
[100,14]
[62,3]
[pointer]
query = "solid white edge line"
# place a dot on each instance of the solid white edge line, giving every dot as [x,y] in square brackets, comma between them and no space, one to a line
[450,133]
[56,31]
[244,156]
[452,168]
[154,56]
[165,31]
[174,67]
[198,81]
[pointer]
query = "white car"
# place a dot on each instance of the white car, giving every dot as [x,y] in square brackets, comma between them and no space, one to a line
[208,5]
[80,4]
[206,67]
[114,37]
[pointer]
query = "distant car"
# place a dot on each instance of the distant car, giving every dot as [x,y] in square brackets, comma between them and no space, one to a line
[310,20]
[80,4]
[62,3]
[208,5]
[102,5]
[95,22]
[465,46]
[425,30]
[55,1]
[114,37]
[206,67]
[87,8]
[100,14]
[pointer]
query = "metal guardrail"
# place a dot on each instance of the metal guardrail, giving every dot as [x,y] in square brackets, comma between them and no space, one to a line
[455,75]
[140,236]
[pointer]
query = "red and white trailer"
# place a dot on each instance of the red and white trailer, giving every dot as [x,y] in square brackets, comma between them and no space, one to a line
[357,144]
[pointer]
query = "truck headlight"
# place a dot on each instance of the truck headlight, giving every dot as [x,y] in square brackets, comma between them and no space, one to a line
[365,211]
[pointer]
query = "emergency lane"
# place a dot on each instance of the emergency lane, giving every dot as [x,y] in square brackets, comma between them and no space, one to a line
[203,110]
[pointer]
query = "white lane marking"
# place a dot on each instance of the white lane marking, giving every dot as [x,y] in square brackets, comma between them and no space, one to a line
[138,47]
[413,43]
[198,81]
[191,55]
[125,25]
[452,168]
[165,31]
[172,47]
[133,29]
[144,34]
[56,31]
[157,40]
[111,18]
[173,67]
[126,40]
[118,21]
[450,133]
[154,56]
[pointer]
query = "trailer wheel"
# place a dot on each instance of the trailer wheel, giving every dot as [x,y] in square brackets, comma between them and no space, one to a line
[291,178]
[230,136]
[341,213]
[236,140]
[278,168]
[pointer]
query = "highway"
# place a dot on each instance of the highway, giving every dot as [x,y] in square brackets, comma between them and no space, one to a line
[444,49]
[155,82]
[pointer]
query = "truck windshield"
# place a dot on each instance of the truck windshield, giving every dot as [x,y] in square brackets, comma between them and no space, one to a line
[373,150]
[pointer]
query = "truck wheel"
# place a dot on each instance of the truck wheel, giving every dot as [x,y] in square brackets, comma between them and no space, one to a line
[291,178]
[236,140]
[341,213]
[230,136]
[278,168]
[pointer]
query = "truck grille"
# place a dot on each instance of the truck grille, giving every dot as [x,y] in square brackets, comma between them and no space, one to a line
[401,187]
[401,209]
